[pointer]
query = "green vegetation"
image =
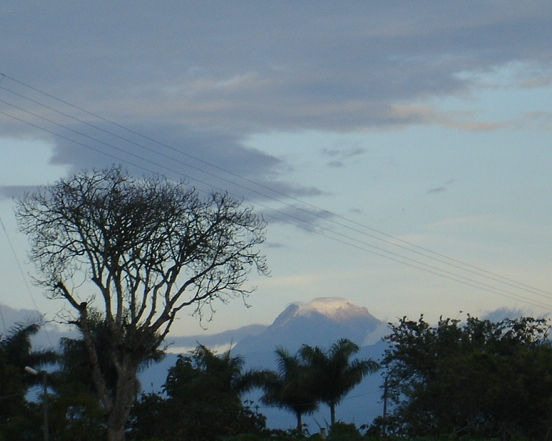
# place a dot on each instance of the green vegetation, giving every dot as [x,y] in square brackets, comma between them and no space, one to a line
[290,388]
[472,379]
[126,255]
[15,354]
[465,381]
[313,376]
[333,374]
[202,402]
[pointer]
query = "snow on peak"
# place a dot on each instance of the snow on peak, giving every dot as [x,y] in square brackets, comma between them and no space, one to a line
[332,307]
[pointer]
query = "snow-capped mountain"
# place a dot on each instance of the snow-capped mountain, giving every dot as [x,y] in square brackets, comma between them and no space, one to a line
[333,308]
[319,322]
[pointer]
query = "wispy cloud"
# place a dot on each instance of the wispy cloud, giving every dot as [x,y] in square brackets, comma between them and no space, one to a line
[16,191]
[340,155]
[464,120]
[204,82]
[307,219]
[441,188]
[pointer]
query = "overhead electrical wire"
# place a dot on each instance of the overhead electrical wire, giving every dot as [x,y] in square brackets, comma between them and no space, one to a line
[25,282]
[359,228]
[132,154]
[395,241]
[381,236]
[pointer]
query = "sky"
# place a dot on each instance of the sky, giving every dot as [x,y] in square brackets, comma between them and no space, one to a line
[399,151]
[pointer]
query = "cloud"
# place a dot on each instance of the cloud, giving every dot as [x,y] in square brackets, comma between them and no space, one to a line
[16,191]
[538,81]
[257,67]
[341,154]
[203,76]
[441,188]
[504,313]
[542,120]
[306,219]
[435,190]
[423,114]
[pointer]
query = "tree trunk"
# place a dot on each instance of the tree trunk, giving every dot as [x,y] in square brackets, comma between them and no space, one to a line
[332,413]
[115,433]
[299,422]
[122,403]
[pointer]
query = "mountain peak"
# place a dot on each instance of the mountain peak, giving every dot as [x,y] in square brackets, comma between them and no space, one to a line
[335,309]
[318,322]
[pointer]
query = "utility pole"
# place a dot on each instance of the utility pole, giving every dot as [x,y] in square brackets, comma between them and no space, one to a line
[384,416]
[44,376]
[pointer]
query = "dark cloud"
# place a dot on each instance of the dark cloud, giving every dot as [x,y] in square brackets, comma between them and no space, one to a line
[203,76]
[307,219]
[441,188]
[435,190]
[341,154]
[249,66]
[16,191]
[165,148]
[208,161]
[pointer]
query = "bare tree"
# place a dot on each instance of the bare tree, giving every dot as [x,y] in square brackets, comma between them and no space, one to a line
[149,247]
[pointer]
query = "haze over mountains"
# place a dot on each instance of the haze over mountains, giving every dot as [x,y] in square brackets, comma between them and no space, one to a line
[320,322]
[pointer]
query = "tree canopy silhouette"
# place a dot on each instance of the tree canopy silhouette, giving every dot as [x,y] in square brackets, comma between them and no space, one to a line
[475,378]
[149,248]
[203,401]
[290,387]
[15,354]
[333,372]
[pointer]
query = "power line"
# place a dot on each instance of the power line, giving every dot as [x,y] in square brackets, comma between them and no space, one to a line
[385,238]
[440,272]
[24,277]
[371,232]
[380,235]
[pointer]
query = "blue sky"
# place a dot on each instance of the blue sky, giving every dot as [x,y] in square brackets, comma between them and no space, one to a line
[427,121]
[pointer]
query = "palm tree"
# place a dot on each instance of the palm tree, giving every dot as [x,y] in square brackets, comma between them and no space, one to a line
[15,354]
[16,350]
[333,373]
[204,398]
[206,368]
[290,387]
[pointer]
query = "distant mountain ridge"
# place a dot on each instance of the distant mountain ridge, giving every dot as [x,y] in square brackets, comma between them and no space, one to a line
[230,337]
[319,322]
[333,308]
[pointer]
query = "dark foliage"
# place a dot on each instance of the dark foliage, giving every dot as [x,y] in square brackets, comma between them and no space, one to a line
[333,374]
[291,387]
[18,419]
[473,378]
[149,248]
[203,401]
